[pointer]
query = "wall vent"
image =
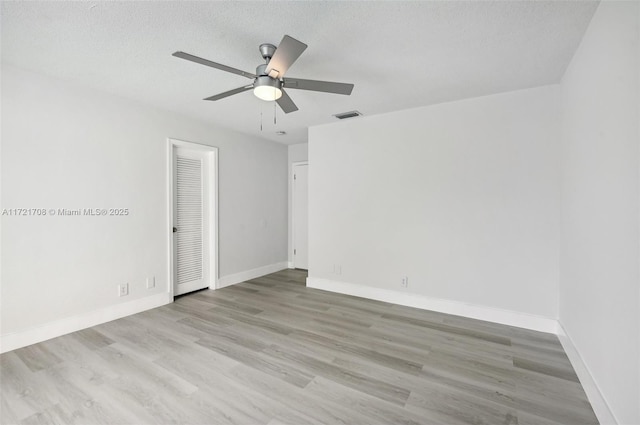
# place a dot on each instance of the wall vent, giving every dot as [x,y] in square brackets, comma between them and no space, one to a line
[350,114]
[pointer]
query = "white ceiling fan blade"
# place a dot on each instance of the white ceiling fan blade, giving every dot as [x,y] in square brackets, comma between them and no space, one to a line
[286,54]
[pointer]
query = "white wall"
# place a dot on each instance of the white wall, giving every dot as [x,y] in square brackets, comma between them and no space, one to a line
[600,281]
[297,153]
[462,197]
[64,146]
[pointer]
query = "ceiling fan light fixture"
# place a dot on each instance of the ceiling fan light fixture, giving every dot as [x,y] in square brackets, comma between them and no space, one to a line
[267,88]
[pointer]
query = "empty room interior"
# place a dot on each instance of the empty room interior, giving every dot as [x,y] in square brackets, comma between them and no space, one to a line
[320,212]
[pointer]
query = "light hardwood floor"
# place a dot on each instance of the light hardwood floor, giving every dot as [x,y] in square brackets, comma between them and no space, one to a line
[271,351]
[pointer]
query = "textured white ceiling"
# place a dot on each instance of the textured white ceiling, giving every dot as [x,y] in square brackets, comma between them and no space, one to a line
[398,54]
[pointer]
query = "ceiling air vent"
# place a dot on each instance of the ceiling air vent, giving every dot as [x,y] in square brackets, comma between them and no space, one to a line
[350,114]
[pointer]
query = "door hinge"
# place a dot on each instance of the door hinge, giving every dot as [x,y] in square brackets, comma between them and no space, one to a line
[294,252]
[294,177]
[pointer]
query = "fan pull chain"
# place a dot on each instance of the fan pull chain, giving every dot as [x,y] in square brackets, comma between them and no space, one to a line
[260,120]
[274,113]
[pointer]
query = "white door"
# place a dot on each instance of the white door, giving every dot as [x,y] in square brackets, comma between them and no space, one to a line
[191,219]
[300,216]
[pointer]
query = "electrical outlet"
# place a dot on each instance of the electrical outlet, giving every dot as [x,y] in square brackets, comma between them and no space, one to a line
[123,289]
[337,269]
[405,282]
[151,282]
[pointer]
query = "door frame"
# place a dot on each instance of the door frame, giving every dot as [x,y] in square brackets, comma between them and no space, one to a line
[293,213]
[213,210]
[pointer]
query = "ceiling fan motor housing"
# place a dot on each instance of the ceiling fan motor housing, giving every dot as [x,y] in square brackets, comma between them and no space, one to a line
[261,69]
[266,81]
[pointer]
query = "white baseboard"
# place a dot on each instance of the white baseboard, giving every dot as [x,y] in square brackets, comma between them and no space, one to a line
[490,314]
[232,279]
[598,402]
[14,340]
[290,265]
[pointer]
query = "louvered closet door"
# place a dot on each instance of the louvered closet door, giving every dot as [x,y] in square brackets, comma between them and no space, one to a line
[191,268]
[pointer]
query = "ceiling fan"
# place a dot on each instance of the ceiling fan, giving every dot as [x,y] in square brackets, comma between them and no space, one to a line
[269,81]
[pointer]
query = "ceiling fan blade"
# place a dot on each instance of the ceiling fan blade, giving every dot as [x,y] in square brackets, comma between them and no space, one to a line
[315,85]
[286,54]
[196,59]
[286,104]
[229,93]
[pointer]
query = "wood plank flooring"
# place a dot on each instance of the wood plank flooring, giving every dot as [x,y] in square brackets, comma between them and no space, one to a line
[271,351]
